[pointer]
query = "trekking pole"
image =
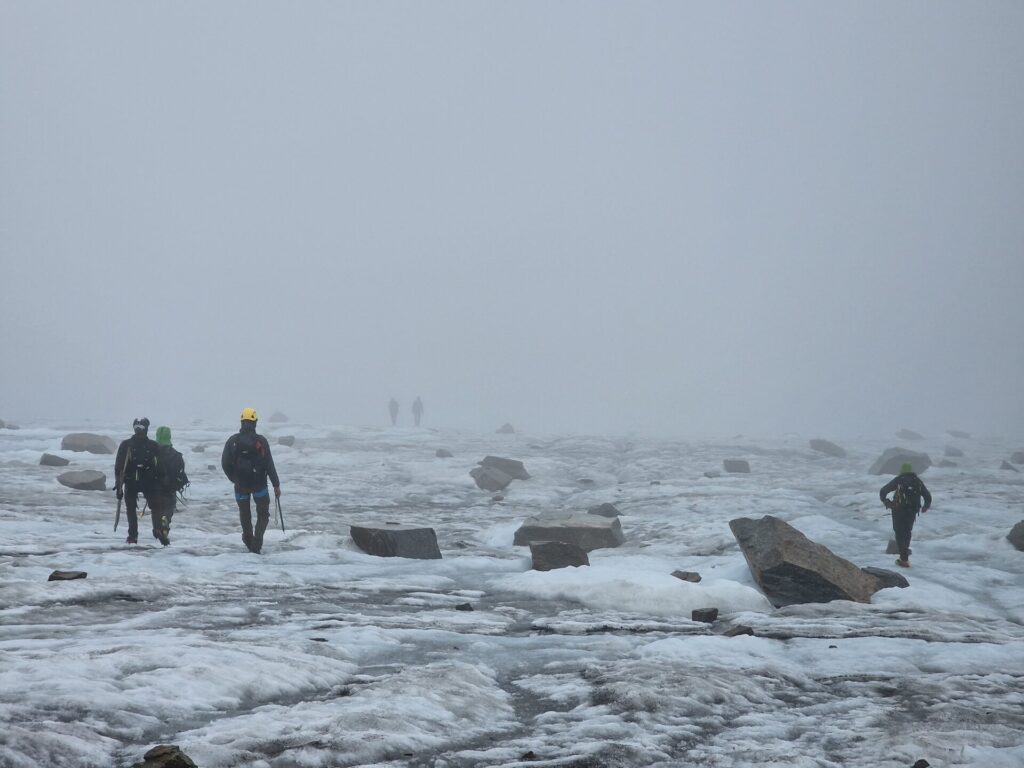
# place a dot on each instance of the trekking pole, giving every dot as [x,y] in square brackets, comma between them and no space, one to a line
[280,515]
[117,488]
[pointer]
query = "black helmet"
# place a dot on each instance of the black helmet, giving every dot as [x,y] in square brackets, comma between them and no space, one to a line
[141,425]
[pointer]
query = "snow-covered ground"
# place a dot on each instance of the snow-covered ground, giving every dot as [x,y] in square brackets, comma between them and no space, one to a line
[315,654]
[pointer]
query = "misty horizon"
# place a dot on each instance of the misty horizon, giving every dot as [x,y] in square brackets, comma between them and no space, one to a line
[663,219]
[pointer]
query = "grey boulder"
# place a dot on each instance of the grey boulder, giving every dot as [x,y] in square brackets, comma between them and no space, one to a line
[49,460]
[706,615]
[550,555]
[885,579]
[506,429]
[958,433]
[396,540]
[288,440]
[736,465]
[1018,457]
[790,568]
[891,460]
[945,464]
[490,478]
[84,480]
[691,576]
[88,443]
[605,510]
[828,448]
[277,418]
[588,532]
[1009,466]
[443,453]
[66,575]
[511,467]
[908,434]
[1016,536]
[165,756]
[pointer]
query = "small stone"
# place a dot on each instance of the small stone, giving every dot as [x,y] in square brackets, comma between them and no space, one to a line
[497,497]
[655,482]
[463,607]
[690,576]
[736,465]
[66,575]
[288,440]
[318,639]
[198,448]
[49,460]
[706,615]
[736,631]
[443,453]
[922,763]
[165,756]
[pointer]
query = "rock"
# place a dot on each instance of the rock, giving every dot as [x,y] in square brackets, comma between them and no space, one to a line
[712,474]
[952,450]
[706,615]
[443,453]
[463,607]
[829,449]
[511,467]
[690,576]
[277,418]
[49,460]
[11,425]
[198,449]
[655,482]
[908,434]
[946,463]
[505,429]
[885,579]
[211,466]
[288,440]
[605,510]
[1018,457]
[490,478]
[736,631]
[586,482]
[890,461]
[790,568]
[1009,466]
[958,433]
[88,442]
[736,465]
[497,497]
[922,763]
[588,532]
[549,555]
[1016,536]
[84,480]
[892,548]
[396,540]
[165,756]
[66,575]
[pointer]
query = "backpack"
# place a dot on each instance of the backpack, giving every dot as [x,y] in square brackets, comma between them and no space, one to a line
[908,493]
[141,463]
[172,471]
[250,461]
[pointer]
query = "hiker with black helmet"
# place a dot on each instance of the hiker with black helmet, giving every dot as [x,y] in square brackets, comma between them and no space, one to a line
[247,462]
[172,478]
[907,491]
[135,472]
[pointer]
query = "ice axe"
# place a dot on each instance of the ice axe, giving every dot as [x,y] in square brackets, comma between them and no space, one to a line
[280,515]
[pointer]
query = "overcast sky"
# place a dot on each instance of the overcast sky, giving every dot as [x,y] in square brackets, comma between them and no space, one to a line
[671,218]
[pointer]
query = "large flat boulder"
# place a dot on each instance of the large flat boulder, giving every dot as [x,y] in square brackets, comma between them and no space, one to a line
[736,465]
[588,532]
[828,448]
[1016,536]
[790,568]
[88,443]
[891,460]
[83,480]
[49,460]
[511,467]
[549,555]
[490,478]
[396,540]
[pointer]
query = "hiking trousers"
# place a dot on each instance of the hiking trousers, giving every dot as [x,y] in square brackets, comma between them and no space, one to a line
[253,539]
[131,505]
[902,525]
[168,505]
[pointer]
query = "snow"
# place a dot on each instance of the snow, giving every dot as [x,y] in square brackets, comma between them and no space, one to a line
[316,654]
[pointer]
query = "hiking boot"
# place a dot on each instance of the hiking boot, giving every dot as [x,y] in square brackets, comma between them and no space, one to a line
[164,539]
[131,540]
[902,563]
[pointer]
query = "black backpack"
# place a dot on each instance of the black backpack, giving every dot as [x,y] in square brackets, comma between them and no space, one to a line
[908,493]
[142,463]
[250,461]
[172,471]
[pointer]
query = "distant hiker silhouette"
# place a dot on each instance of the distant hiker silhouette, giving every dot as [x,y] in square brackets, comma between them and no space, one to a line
[393,409]
[417,410]
[908,492]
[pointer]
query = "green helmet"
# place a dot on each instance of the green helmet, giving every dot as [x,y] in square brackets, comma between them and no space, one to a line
[163,435]
[904,468]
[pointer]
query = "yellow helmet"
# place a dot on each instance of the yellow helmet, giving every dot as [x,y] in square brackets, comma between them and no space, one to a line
[249,414]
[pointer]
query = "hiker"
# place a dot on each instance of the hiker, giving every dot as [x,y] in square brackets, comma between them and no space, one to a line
[172,478]
[907,491]
[417,410]
[135,471]
[393,409]
[247,463]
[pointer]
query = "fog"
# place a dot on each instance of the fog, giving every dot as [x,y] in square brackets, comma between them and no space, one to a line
[666,218]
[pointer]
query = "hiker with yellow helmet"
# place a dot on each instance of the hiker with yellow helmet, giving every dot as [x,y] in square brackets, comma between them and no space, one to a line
[247,462]
[907,491]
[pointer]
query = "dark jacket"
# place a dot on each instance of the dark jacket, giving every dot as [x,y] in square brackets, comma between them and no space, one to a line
[906,479]
[137,463]
[228,460]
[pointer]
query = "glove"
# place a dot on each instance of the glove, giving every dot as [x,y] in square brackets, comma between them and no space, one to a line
[888,504]
[277,491]
[923,510]
[120,494]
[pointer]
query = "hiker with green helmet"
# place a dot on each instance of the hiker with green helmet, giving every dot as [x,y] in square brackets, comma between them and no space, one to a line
[907,491]
[172,479]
